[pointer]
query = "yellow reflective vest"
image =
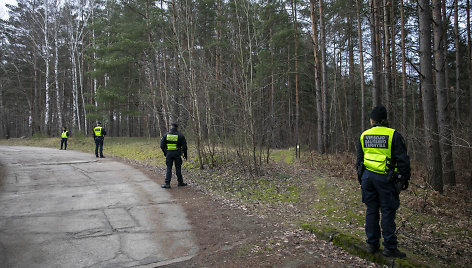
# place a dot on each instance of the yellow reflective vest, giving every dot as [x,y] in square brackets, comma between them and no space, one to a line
[98,131]
[64,134]
[377,146]
[172,141]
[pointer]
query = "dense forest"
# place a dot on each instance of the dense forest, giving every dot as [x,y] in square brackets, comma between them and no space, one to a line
[251,75]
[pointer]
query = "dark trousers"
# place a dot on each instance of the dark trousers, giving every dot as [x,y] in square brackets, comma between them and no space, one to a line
[64,142]
[171,158]
[99,144]
[380,196]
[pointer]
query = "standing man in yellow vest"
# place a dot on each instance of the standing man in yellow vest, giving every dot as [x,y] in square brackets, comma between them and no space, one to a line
[383,169]
[64,137]
[98,136]
[173,145]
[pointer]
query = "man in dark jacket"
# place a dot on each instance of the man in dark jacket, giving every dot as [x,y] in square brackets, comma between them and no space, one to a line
[173,145]
[99,134]
[383,169]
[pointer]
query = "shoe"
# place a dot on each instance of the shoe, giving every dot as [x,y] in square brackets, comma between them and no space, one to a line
[395,253]
[373,248]
[102,156]
[182,184]
[165,186]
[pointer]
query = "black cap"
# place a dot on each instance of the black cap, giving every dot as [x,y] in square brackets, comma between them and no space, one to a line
[174,125]
[379,113]
[99,123]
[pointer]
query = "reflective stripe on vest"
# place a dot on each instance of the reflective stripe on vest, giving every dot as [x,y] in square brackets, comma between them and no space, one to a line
[377,146]
[98,131]
[172,141]
[64,134]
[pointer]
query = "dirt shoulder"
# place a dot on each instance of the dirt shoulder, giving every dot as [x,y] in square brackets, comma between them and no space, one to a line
[230,236]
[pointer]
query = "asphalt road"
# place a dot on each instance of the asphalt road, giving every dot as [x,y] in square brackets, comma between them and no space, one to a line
[69,209]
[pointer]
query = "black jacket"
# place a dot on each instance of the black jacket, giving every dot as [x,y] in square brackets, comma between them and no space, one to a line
[181,142]
[399,155]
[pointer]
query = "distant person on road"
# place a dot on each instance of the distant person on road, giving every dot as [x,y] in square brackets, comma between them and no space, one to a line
[383,169]
[173,145]
[99,133]
[64,136]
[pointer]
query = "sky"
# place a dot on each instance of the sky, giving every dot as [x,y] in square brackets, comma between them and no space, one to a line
[3,9]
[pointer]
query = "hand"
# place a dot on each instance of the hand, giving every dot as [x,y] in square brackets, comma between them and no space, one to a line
[185,157]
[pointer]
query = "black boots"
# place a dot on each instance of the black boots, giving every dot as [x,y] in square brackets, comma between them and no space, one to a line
[373,248]
[167,185]
[395,253]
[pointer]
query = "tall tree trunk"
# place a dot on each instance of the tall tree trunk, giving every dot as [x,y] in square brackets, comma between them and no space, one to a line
[324,80]
[404,87]
[361,62]
[4,115]
[351,88]
[35,111]
[56,78]
[297,108]
[81,79]
[433,156]
[393,75]
[319,109]
[387,60]
[374,29]
[469,57]
[457,91]
[46,61]
[441,94]
[445,25]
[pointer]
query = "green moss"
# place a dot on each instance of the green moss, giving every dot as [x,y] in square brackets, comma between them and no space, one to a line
[356,246]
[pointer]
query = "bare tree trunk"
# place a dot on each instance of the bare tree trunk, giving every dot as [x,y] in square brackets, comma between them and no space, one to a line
[297,108]
[361,59]
[35,114]
[81,75]
[4,115]
[95,81]
[457,91]
[393,75]
[45,56]
[387,61]
[441,94]
[56,77]
[375,53]
[351,89]
[433,157]
[324,80]
[75,93]
[469,57]
[404,89]
[319,110]
[445,52]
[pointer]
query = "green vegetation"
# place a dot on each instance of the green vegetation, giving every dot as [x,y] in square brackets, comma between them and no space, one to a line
[434,229]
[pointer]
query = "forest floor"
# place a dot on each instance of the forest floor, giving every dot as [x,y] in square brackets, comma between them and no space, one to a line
[298,213]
